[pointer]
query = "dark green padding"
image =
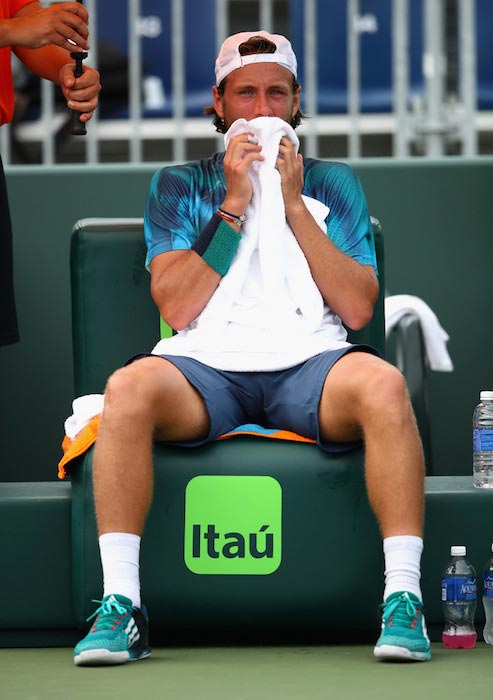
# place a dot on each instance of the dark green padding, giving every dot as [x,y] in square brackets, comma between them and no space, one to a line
[330,548]
[35,585]
[330,581]
[113,315]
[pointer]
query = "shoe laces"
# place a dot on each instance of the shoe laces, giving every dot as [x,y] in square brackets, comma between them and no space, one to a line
[401,608]
[109,608]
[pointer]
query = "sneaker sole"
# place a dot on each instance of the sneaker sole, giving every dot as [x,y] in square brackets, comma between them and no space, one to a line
[393,653]
[103,657]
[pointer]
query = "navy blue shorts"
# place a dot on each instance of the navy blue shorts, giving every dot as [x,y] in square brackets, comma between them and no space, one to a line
[287,399]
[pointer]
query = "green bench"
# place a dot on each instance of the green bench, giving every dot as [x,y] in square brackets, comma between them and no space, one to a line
[324,505]
[41,564]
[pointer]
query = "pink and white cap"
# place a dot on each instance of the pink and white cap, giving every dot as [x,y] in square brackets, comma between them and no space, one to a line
[229,57]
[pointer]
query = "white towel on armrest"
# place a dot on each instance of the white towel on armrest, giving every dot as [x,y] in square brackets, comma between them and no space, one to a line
[84,408]
[435,337]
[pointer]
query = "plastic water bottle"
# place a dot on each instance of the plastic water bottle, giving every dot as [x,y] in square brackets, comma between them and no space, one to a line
[488,600]
[459,601]
[482,441]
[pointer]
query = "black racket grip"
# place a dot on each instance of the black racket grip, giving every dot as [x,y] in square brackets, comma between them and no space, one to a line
[77,128]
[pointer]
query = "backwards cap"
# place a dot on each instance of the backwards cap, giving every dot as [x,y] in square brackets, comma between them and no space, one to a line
[229,57]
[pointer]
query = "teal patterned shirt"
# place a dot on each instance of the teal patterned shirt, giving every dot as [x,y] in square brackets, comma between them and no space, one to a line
[182,199]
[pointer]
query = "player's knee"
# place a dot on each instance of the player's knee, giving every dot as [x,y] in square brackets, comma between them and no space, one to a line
[386,390]
[131,389]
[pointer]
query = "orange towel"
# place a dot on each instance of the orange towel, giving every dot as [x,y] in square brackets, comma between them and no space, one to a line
[87,437]
[80,444]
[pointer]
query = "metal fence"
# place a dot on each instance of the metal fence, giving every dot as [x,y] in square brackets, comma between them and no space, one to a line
[368,68]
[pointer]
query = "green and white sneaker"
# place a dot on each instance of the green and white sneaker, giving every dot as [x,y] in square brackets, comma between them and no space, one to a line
[403,636]
[119,634]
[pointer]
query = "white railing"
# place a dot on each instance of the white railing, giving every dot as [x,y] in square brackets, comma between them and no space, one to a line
[421,125]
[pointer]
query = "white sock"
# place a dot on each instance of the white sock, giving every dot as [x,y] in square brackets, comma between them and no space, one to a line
[402,565]
[120,561]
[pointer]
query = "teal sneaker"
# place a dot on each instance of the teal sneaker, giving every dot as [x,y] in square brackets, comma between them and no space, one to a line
[119,634]
[404,636]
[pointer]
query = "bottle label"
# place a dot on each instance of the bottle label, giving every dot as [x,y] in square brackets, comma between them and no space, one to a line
[488,585]
[482,439]
[458,588]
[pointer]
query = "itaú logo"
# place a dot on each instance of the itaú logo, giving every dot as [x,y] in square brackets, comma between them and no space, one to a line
[233,525]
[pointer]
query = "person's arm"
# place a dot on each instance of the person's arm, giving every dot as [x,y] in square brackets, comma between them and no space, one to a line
[182,282]
[349,288]
[38,36]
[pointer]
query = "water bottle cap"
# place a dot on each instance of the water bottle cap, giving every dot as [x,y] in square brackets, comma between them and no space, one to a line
[458,551]
[488,395]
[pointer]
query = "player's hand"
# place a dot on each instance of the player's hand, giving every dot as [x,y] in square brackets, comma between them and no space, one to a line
[55,24]
[81,93]
[242,151]
[290,166]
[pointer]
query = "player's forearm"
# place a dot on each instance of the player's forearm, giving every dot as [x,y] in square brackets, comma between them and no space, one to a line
[349,288]
[182,288]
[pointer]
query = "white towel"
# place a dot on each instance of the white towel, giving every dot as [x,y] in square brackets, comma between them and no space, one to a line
[84,408]
[267,312]
[290,297]
[435,337]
